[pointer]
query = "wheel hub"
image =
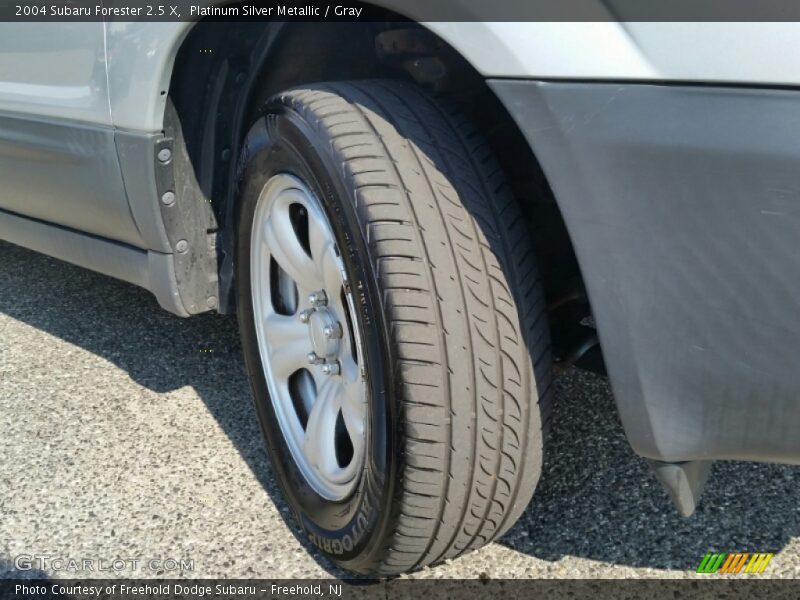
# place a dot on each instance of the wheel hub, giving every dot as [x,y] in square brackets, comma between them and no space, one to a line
[322,331]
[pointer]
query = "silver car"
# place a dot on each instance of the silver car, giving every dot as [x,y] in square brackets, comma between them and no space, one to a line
[419,223]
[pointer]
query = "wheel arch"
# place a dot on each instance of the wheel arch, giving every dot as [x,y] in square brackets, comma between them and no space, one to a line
[240,65]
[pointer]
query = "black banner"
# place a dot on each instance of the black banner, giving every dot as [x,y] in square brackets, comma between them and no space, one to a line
[418,10]
[399,589]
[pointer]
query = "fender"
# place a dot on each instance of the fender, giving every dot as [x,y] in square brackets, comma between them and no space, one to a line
[141,55]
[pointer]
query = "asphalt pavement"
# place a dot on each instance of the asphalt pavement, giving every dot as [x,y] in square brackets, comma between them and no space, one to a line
[127,434]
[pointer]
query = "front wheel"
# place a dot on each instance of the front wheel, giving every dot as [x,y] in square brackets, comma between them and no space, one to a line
[392,324]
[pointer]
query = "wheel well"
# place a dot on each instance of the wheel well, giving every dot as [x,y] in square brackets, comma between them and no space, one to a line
[224,72]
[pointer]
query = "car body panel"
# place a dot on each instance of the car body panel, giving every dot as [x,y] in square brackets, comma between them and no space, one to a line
[139,55]
[65,173]
[58,159]
[752,53]
[683,205]
[724,53]
[140,60]
[54,71]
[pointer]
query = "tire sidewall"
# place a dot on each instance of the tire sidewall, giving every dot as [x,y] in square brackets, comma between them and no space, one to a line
[353,531]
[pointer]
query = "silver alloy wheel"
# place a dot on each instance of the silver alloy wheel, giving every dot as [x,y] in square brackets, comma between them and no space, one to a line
[309,344]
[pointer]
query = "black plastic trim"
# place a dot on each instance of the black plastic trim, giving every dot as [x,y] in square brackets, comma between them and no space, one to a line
[183,228]
[682,203]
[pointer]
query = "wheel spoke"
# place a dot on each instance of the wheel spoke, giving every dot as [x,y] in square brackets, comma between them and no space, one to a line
[319,444]
[287,250]
[282,330]
[354,411]
[328,266]
[287,358]
[319,236]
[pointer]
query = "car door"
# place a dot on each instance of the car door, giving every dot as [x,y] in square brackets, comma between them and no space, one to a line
[58,160]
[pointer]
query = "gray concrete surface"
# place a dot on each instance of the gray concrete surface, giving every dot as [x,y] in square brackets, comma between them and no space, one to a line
[127,433]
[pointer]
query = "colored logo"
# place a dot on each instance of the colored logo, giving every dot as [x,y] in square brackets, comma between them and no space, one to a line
[733,564]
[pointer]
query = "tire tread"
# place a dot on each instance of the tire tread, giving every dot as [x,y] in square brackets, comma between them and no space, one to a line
[454,265]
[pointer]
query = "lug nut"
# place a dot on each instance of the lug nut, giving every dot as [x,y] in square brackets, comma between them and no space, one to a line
[305,316]
[313,359]
[318,299]
[331,368]
[168,199]
[333,332]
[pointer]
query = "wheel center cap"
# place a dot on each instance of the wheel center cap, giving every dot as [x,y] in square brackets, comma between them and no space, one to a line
[323,345]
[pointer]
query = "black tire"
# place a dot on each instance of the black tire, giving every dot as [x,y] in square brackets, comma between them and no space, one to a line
[457,350]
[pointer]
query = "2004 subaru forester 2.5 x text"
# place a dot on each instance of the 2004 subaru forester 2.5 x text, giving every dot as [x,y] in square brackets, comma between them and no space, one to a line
[419,225]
